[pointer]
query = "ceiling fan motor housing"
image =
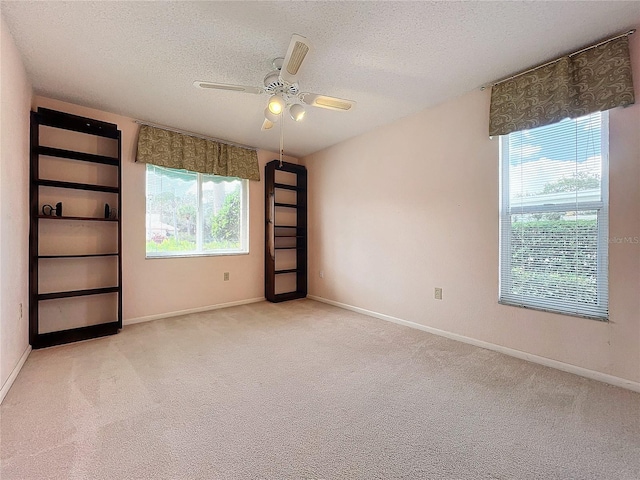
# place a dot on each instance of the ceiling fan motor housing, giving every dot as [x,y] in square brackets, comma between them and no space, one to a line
[273,84]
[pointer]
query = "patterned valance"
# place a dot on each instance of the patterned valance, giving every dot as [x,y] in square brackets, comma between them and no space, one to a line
[176,150]
[594,80]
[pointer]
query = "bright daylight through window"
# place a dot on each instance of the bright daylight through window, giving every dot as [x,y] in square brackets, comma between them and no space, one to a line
[554,217]
[195,214]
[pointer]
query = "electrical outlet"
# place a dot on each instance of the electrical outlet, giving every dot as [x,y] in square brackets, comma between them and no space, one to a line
[20,309]
[226,276]
[321,274]
[438,293]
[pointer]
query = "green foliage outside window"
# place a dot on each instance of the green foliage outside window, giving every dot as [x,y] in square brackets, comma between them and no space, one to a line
[578,182]
[555,245]
[225,226]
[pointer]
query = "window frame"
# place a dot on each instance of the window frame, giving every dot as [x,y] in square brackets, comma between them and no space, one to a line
[601,207]
[244,220]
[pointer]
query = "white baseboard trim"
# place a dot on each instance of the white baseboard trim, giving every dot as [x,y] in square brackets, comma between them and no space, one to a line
[547,362]
[148,318]
[14,373]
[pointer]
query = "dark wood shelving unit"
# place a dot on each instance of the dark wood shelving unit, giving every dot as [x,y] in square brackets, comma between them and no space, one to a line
[286,186]
[64,121]
[287,205]
[77,293]
[77,186]
[275,231]
[287,270]
[71,155]
[84,219]
[78,334]
[67,121]
[84,255]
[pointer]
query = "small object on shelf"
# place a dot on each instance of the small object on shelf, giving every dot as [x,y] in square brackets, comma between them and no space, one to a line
[110,213]
[48,210]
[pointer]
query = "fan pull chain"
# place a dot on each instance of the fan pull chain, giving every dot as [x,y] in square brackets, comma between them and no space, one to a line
[281,137]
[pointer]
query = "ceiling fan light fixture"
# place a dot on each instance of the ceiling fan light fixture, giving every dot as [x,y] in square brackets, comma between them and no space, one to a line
[297,112]
[270,116]
[276,104]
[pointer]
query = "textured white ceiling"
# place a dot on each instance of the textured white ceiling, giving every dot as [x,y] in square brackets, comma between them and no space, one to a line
[394,58]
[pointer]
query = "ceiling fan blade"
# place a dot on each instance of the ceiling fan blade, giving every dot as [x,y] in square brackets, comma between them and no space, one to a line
[226,86]
[298,50]
[324,101]
[267,124]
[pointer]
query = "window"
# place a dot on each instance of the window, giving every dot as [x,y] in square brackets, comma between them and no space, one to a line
[554,217]
[195,214]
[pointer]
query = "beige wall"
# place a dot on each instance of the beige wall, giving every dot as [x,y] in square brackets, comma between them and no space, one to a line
[15,98]
[165,286]
[414,205]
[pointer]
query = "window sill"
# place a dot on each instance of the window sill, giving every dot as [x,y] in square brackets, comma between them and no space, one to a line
[557,312]
[196,255]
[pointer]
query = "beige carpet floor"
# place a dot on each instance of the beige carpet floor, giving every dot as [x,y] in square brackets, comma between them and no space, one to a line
[303,390]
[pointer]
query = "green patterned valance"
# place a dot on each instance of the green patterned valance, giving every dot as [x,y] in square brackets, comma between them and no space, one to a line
[176,150]
[594,80]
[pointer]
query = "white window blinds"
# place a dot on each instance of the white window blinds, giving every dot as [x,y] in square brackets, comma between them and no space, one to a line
[554,217]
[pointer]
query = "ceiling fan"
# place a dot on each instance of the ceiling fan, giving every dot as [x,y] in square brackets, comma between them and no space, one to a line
[281,84]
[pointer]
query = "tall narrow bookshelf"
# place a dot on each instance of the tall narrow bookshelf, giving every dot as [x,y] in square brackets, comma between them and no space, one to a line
[285,231]
[75,264]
